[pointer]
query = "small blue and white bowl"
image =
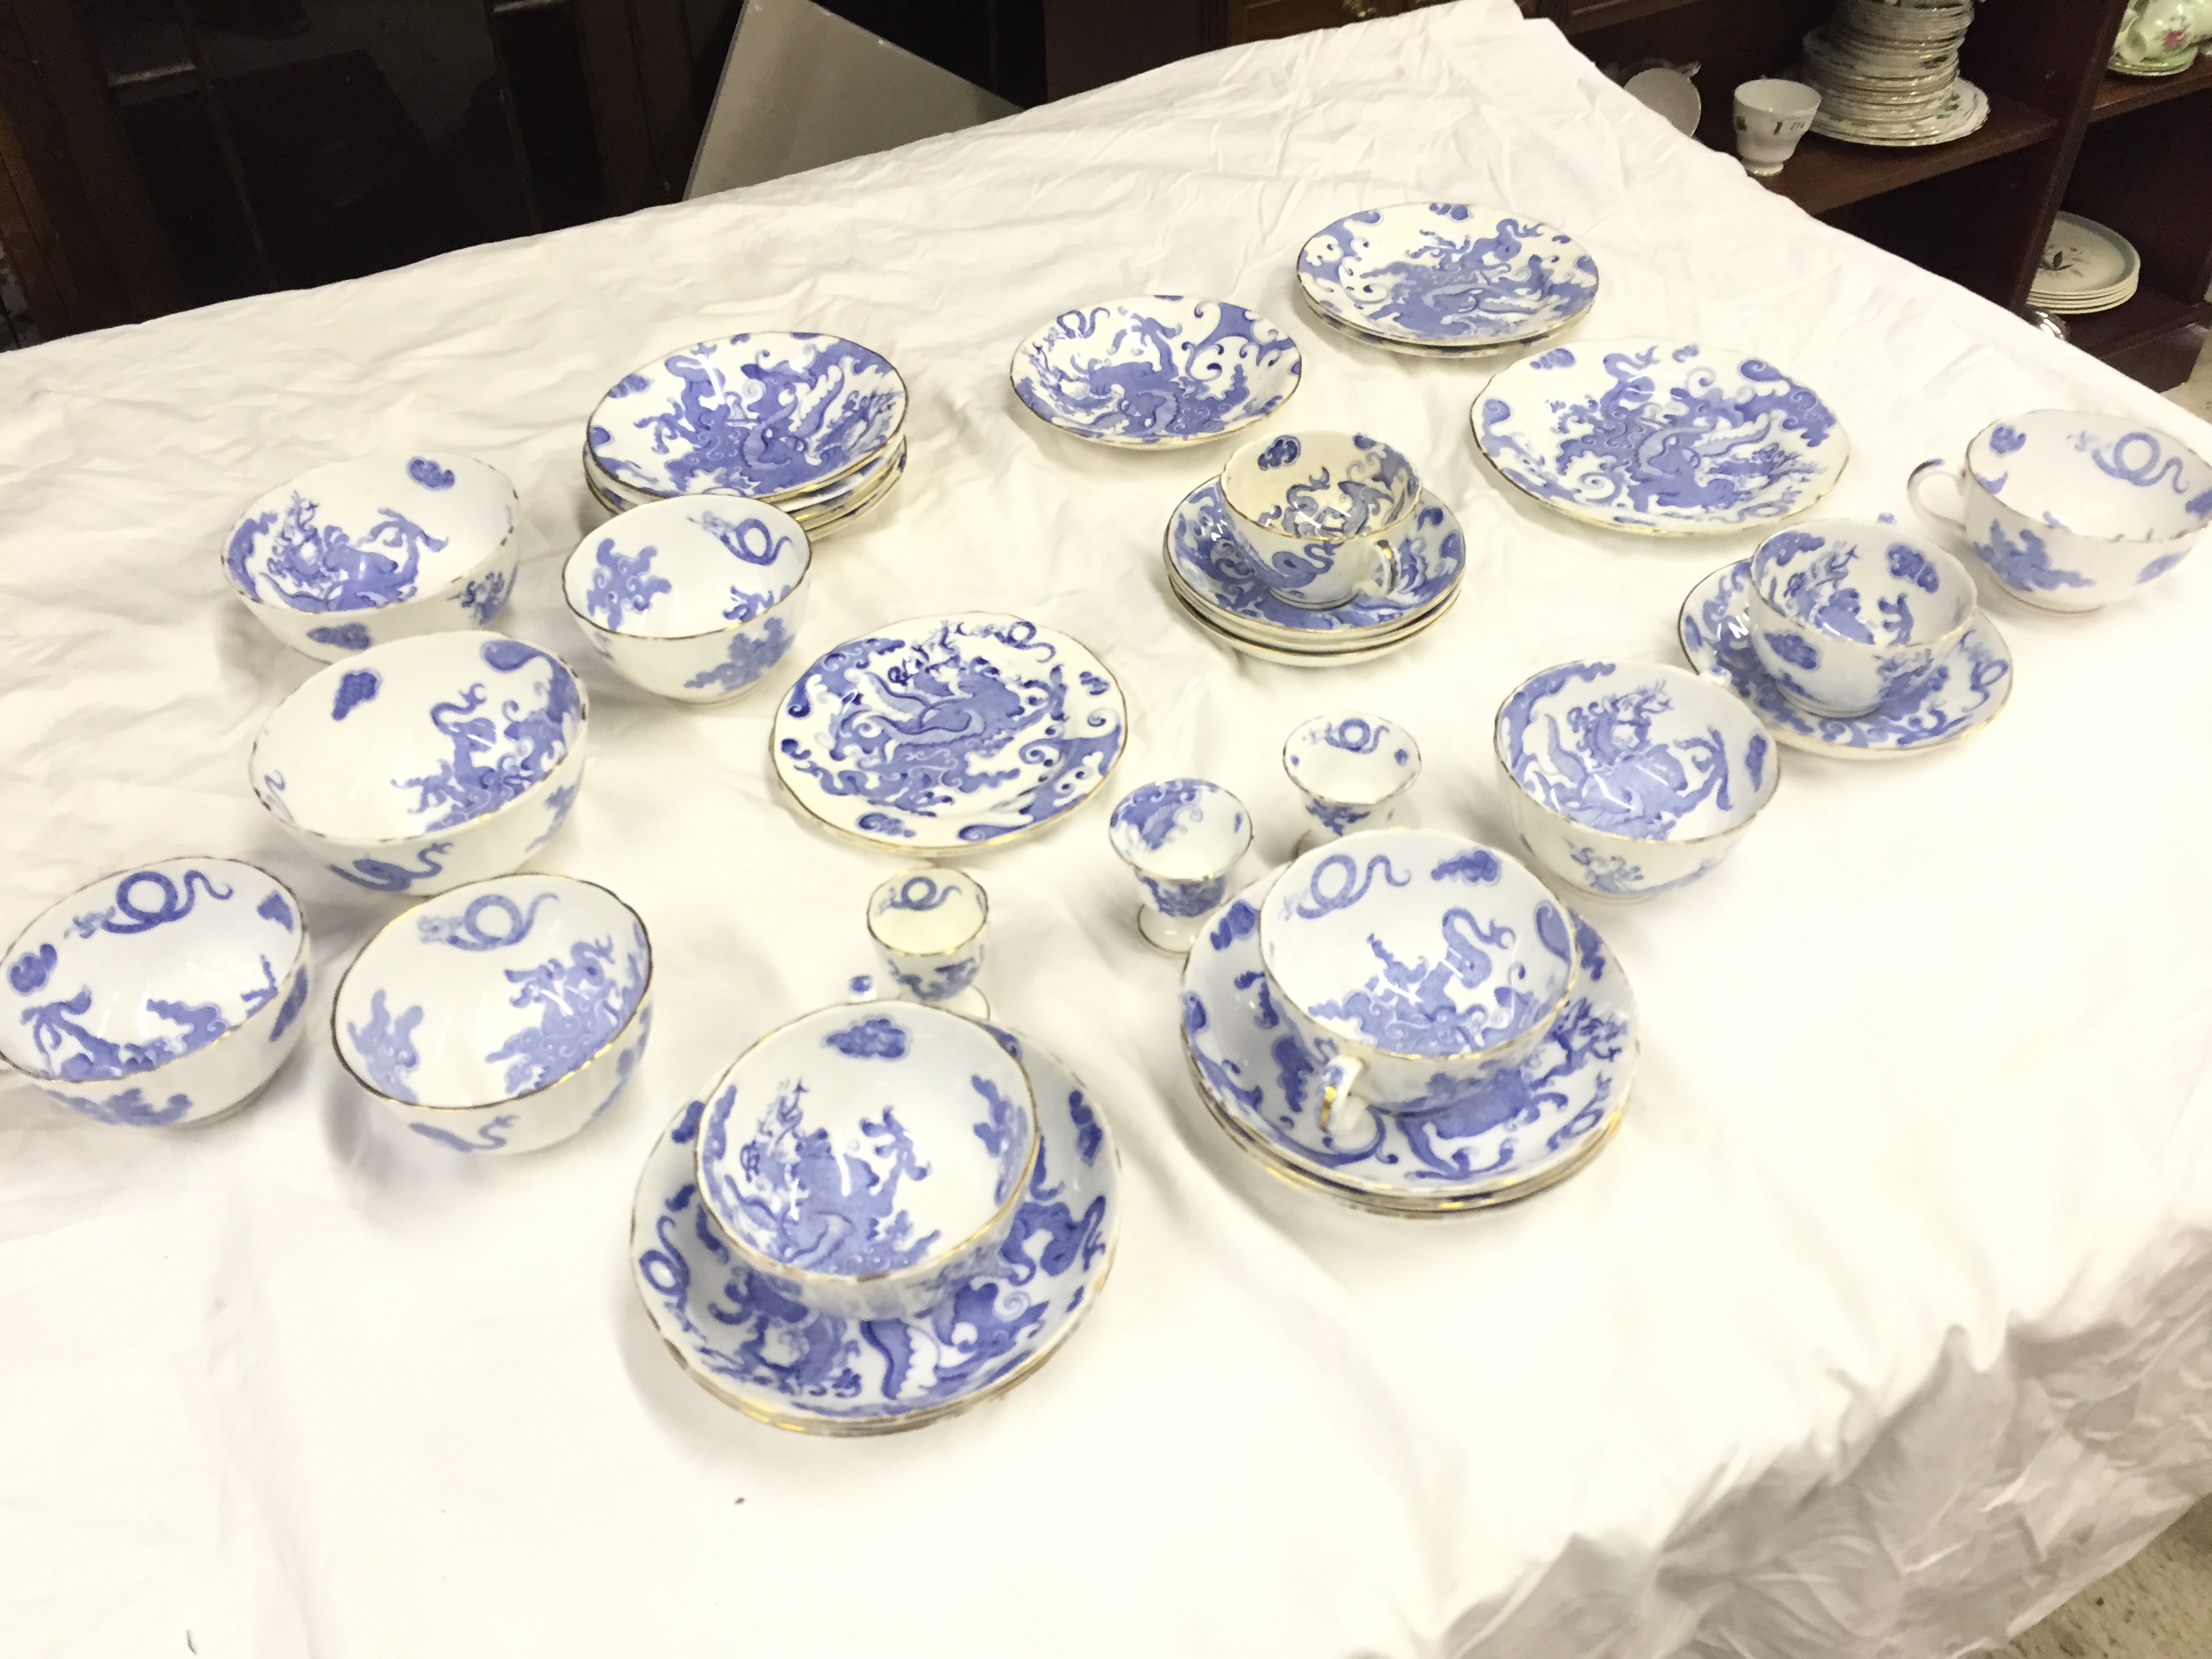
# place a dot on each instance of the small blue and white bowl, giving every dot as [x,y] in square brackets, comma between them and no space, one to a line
[1631,778]
[1848,616]
[363,552]
[163,996]
[928,926]
[1352,771]
[1182,838]
[694,598]
[502,1017]
[426,763]
[866,1160]
[1317,512]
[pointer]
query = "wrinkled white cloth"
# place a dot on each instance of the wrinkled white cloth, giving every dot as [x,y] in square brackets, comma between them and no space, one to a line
[1884,1323]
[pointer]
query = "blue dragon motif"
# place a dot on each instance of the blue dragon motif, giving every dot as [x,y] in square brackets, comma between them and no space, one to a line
[387,1047]
[623,584]
[323,567]
[750,654]
[579,1004]
[1140,377]
[1604,769]
[2025,565]
[497,755]
[1447,281]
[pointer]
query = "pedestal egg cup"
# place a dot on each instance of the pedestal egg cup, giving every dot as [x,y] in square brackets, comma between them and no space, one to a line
[1182,839]
[1352,771]
[928,927]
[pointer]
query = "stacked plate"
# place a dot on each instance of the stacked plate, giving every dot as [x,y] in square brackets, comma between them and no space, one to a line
[1888,73]
[2085,267]
[810,423]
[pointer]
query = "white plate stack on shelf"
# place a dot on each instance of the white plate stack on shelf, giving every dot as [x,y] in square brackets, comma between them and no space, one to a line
[1888,73]
[2085,267]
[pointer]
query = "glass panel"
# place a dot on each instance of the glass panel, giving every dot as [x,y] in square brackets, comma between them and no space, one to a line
[553,107]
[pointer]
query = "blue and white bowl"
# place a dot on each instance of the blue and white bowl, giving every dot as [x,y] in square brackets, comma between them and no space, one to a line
[1352,771]
[2071,511]
[426,763]
[767,415]
[1847,616]
[166,995]
[363,552]
[1156,372]
[1631,778]
[1415,964]
[694,598]
[928,926]
[1317,512]
[502,1017]
[864,1160]
[1446,275]
[1182,839]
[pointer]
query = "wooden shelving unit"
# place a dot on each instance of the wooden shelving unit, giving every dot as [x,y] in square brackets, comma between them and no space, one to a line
[1827,174]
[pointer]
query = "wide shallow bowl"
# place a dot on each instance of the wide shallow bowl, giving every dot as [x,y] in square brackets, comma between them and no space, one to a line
[1631,779]
[1848,616]
[502,1017]
[1156,371]
[866,1159]
[1446,274]
[164,995]
[694,598]
[426,763]
[363,552]
[766,415]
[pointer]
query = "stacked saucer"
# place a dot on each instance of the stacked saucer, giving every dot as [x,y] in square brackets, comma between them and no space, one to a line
[1888,73]
[810,423]
[2085,267]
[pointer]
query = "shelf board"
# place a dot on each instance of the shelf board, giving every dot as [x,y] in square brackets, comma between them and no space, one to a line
[1826,174]
[2118,94]
[1585,15]
[2142,319]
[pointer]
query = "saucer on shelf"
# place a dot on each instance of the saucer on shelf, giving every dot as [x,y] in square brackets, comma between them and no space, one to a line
[1968,687]
[1513,1135]
[1156,372]
[780,1361]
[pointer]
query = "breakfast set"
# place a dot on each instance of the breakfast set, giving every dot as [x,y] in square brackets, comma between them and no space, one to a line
[890,1209]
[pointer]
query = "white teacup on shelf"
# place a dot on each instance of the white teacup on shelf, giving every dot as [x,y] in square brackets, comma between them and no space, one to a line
[928,929]
[1770,117]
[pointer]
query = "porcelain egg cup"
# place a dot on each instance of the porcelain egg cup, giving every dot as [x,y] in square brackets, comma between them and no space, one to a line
[363,552]
[928,926]
[159,997]
[2071,511]
[1354,771]
[694,598]
[427,763]
[866,1160]
[1317,512]
[1631,779]
[1848,617]
[1415,964]
[502,1017]
[1181,838]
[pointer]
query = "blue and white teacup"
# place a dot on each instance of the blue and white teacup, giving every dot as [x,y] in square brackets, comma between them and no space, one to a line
[1630,779]
[502,1017]
[694,598]
[2071,511]
[163,996]
[1415,964]
[1317,512]
[866,1159]
[1846,616]
[928,927]
[1354,771]
[1182,838]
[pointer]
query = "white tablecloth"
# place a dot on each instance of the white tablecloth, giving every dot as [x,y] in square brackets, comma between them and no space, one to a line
[1884,1323]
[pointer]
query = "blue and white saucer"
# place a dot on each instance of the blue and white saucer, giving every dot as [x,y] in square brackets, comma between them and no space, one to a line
[1156,372]
[780,1361]
[949,734]
[1970,683]
[1515,1134]
[1445,274]
[1212,574]
[1659,436]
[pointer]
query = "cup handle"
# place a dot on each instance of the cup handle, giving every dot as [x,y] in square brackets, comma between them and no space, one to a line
[1386,563]
[1926,472]
[1342,1112]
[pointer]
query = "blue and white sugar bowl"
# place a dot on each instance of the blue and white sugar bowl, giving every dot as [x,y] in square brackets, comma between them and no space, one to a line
[2071,511]
[867,1160]
[1631,779]
[366,551]
[163,996]
[426,763]
[1849,616]
[1182,838]
[1352,771]
[502,1017]
[1317,512]
[1415,964]
[928,927]
[693,597]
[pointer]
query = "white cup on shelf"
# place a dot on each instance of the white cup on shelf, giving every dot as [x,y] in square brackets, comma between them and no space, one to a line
[1770,117]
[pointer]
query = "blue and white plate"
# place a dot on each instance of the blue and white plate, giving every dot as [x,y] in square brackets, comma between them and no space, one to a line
[1659,436]
[1962,694]
[764,415]
[1446,274]
[1157,371]
[949,734]
[1211,572]
[1513,1135]
[778,1359]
